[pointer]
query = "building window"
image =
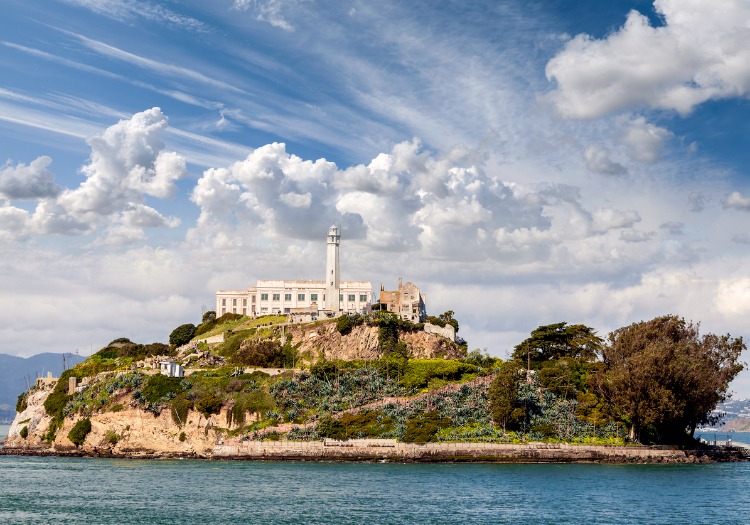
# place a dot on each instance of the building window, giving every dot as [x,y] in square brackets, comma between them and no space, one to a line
[223,302]
[244,302]
[253,299]
[264,297]
[244,311]
[363,298]
[234,303]
[264,310]
[287,297]
[276,296]
[313,297]
[223,311]
[351,297]
[300,297]
[341,297]
[234,310]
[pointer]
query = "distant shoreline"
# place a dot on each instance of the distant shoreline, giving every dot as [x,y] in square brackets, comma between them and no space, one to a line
[392,451]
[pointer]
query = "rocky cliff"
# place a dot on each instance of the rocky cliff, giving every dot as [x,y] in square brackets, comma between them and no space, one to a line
[324,340]
[127,430]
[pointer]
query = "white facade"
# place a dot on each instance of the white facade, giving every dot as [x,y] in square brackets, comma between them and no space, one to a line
[285,296]
[171,369]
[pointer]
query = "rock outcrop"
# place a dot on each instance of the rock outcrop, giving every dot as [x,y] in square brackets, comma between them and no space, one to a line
[324,340]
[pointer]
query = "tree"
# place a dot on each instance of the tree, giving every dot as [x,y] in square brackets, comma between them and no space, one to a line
[209,316]
[503,395]
[560,340]
[664,378]
[447,316]
[182,334]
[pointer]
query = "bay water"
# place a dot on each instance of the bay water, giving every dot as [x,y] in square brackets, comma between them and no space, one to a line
[109,491]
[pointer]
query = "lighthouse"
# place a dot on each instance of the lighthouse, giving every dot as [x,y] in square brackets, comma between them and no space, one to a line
[333,279]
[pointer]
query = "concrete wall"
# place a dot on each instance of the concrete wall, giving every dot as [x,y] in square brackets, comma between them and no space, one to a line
[446,331]
[390,449]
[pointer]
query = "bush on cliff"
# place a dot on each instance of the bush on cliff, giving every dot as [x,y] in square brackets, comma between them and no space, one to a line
[79,432]
[424,427]
[24,433]
[182,334]
[209,404]
[21,403]
[160,387]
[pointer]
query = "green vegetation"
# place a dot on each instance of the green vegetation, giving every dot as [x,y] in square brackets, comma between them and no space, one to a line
[560,340]
[112,437]
[424,427]
[655,381]
[182,334]
[21,404]
[664,379]
[182,437]
[24,432]
[79,431]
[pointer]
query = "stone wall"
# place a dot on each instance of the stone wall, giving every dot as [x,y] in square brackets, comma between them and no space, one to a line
[446,331]
[385,449]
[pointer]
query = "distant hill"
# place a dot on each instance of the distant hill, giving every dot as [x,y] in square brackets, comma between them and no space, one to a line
[14,371]
[735,415]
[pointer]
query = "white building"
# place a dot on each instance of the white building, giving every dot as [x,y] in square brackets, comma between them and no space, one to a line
[329,296]
[171,369]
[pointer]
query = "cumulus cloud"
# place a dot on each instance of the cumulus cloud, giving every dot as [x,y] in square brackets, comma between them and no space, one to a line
[645,141]
[598,160]
[32,181]
[405,200]
[702,52]
[737,201]
[127,164]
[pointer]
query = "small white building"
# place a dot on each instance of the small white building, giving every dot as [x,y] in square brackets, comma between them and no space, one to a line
[171,369]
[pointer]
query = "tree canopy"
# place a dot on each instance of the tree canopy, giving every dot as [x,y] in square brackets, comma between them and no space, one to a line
[560,340]
[665,378]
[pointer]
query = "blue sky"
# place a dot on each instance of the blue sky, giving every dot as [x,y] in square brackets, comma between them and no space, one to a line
[522,162]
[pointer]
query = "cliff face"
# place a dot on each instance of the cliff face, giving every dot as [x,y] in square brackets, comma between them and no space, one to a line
[129,431]
[363,343]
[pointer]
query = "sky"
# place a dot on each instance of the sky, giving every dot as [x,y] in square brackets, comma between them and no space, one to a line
[524,162]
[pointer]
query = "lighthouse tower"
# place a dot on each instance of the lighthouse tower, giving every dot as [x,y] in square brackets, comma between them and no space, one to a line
[332,280]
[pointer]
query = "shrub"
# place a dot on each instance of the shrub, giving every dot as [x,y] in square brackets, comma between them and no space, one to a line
[419,372]
[266,353]
[24,433]
[182,437]
[79,432]
[208,316]
[21,403]
[112,437]
[182,334]
[424,427]
[344,324]
[209,404]
[159,386]
[180,408]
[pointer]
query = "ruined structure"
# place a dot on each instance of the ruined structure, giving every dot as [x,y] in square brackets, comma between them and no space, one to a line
[407,301]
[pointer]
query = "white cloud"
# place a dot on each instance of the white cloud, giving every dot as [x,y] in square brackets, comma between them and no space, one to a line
[701,53]
[598,160]
[127,164]
[645,141]
[270,11]
[737,201]
[127,10]
[34,181]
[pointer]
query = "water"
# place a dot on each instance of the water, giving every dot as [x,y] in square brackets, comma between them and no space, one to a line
[102,491]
